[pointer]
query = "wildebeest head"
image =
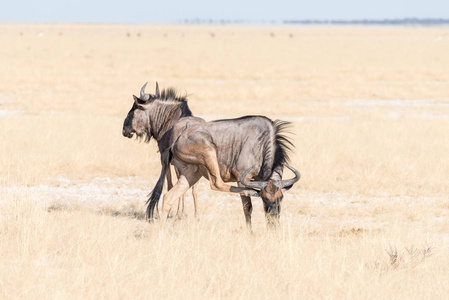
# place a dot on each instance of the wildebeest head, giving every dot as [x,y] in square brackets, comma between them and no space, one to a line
[271,193]
[137,120]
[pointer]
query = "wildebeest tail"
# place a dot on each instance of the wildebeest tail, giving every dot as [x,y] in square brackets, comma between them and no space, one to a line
[155,194]
[283,144]
[277,147]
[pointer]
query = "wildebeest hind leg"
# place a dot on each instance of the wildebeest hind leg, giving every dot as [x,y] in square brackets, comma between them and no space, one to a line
[216,182]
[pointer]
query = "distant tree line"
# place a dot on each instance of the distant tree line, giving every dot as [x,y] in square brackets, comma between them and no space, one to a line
[213,21]
[404,21]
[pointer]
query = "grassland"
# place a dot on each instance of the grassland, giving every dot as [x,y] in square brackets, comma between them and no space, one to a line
[370,111]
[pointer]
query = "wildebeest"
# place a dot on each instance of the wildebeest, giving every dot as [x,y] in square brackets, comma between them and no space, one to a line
[250,150]
[136,122]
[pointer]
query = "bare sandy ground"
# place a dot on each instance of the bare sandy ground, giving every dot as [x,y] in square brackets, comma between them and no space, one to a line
[125,197]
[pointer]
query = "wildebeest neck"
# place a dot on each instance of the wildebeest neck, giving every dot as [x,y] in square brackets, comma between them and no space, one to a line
[164,114]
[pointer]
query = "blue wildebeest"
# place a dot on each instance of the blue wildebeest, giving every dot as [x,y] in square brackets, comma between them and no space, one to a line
[250,150]
[138,122]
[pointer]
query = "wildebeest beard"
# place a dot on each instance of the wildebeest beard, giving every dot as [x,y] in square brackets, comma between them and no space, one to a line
[145,136]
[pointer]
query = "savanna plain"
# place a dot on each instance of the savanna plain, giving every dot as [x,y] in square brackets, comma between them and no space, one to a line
[369,218]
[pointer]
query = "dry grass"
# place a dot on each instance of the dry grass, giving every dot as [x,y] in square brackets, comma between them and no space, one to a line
[81,253]
[369,218]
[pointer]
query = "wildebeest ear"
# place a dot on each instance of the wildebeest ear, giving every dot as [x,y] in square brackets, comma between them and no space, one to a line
[158,95]
[138,101]
[287,187]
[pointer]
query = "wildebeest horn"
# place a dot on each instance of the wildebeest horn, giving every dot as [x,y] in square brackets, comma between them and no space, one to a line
[157,91]
[144,96]
[260,185]
[286,183]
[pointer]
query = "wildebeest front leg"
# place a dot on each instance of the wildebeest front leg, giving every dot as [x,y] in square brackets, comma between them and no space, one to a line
[195,195]
[180,214]
[180,211]
[169,179]
[181,204]
[185,181]
[247,208]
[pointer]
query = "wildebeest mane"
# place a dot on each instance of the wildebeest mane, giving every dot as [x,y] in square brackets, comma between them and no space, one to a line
[171,94]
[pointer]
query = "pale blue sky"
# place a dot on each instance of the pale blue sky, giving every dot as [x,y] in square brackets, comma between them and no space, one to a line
[172,11]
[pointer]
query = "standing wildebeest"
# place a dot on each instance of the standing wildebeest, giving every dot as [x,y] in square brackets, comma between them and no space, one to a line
[242,150]
[136,122]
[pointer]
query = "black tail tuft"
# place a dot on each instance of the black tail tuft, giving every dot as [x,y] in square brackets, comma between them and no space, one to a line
[156,193]
[283,144]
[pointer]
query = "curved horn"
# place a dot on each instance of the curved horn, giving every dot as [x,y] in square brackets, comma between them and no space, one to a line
[289,182]
[158,95]
[144,96]
[252,184]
